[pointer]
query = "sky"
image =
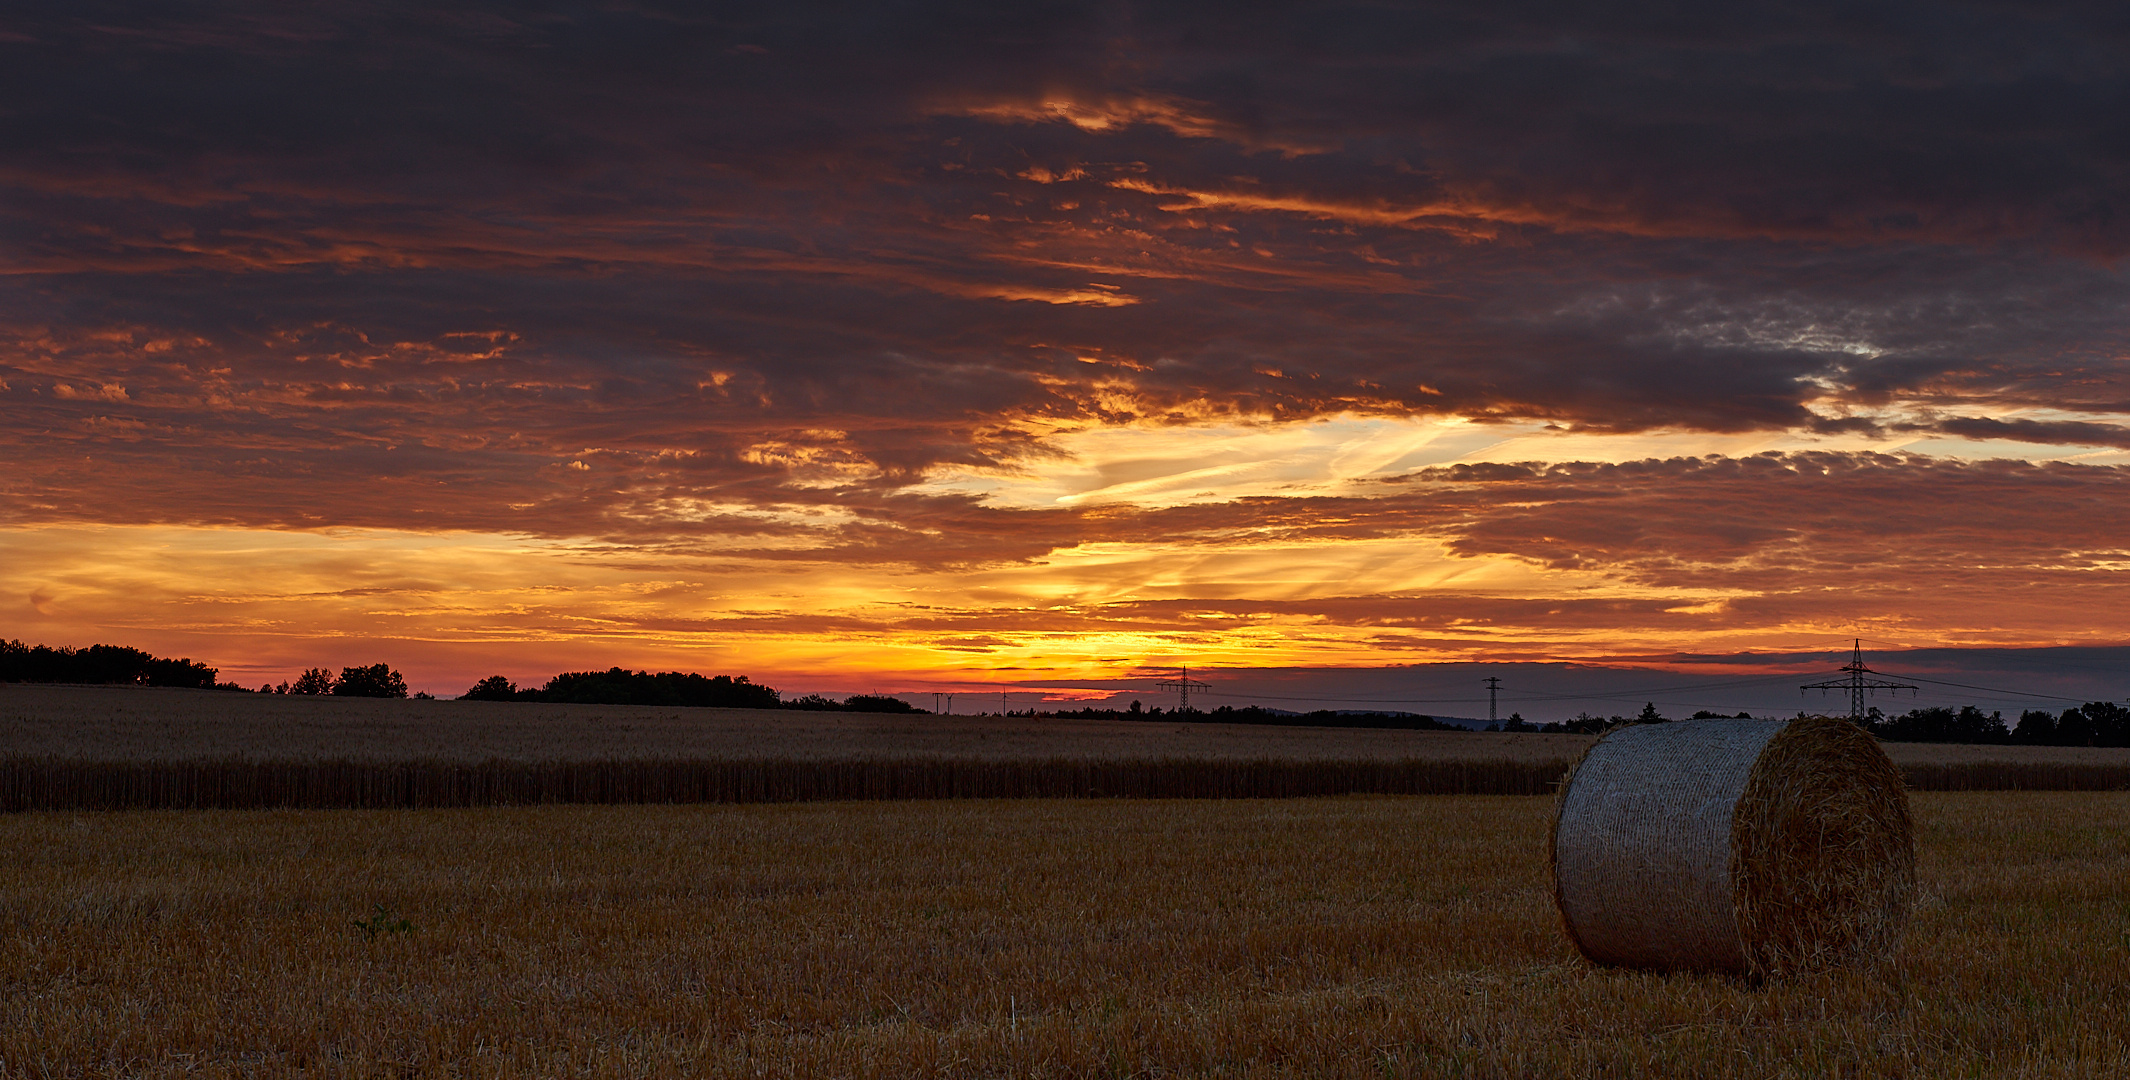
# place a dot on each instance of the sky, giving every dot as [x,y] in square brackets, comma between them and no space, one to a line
[1047,348]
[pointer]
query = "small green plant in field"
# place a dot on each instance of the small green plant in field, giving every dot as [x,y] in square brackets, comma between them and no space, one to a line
[382,920]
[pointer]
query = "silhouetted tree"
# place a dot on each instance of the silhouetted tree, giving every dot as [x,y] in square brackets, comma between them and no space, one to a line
[377,681]
[1942,724]
[492,688]
[2096,723]
[1650,715]
[2073,729]
[2108,723]
[315,680]
[620,686]
[878,703]
[854,703]
[1582,724]
[2037,727]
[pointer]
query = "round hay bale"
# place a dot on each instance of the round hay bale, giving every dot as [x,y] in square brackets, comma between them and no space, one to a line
[1747,846]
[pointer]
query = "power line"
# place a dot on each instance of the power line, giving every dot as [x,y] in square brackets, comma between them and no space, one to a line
[1994,690]
[1315,699]
[1628,694]
[1857,684]
[1513,696]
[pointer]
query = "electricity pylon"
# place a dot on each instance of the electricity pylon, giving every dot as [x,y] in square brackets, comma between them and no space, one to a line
[1182,684]
[1856,683]
[1493,687]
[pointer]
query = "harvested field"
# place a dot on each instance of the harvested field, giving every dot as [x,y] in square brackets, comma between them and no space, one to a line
[1356,937]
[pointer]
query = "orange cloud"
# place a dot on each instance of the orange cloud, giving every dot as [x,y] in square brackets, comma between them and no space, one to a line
[1450,563]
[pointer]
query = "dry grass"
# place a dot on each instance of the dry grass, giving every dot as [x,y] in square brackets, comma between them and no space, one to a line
[1338,937]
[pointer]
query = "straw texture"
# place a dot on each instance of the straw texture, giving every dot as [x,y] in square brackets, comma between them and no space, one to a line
[1744,846]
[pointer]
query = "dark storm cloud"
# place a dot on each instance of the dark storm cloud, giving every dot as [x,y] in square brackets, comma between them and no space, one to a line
[572,269]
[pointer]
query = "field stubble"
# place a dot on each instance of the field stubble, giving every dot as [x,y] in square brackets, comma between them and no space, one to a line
[1325,937]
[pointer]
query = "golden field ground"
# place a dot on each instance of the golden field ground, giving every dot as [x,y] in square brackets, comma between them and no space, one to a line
[1346,937]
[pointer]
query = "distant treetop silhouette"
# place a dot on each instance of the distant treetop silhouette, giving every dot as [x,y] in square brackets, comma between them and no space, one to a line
[375,681]
[103,664]
[620,686]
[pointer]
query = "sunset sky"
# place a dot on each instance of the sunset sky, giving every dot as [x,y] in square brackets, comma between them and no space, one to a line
[929,347]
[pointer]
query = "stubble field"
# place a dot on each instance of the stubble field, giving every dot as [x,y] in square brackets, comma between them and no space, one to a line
[1347,937]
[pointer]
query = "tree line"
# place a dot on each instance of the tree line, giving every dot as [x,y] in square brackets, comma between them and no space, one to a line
[1252,714]
[2096,723]
[374,681]
[1587,724]
[620,686]
[121,665]
[102,664]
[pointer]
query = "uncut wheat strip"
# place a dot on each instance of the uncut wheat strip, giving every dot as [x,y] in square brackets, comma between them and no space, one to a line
[2016,776]
[46,783]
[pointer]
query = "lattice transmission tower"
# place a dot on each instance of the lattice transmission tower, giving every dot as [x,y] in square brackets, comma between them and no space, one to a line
[1857,682]
[1183,684]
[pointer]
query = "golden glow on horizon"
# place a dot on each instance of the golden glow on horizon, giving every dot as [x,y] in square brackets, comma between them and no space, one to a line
[448,607]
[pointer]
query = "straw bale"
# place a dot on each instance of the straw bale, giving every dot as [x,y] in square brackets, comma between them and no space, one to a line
[1746,846]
